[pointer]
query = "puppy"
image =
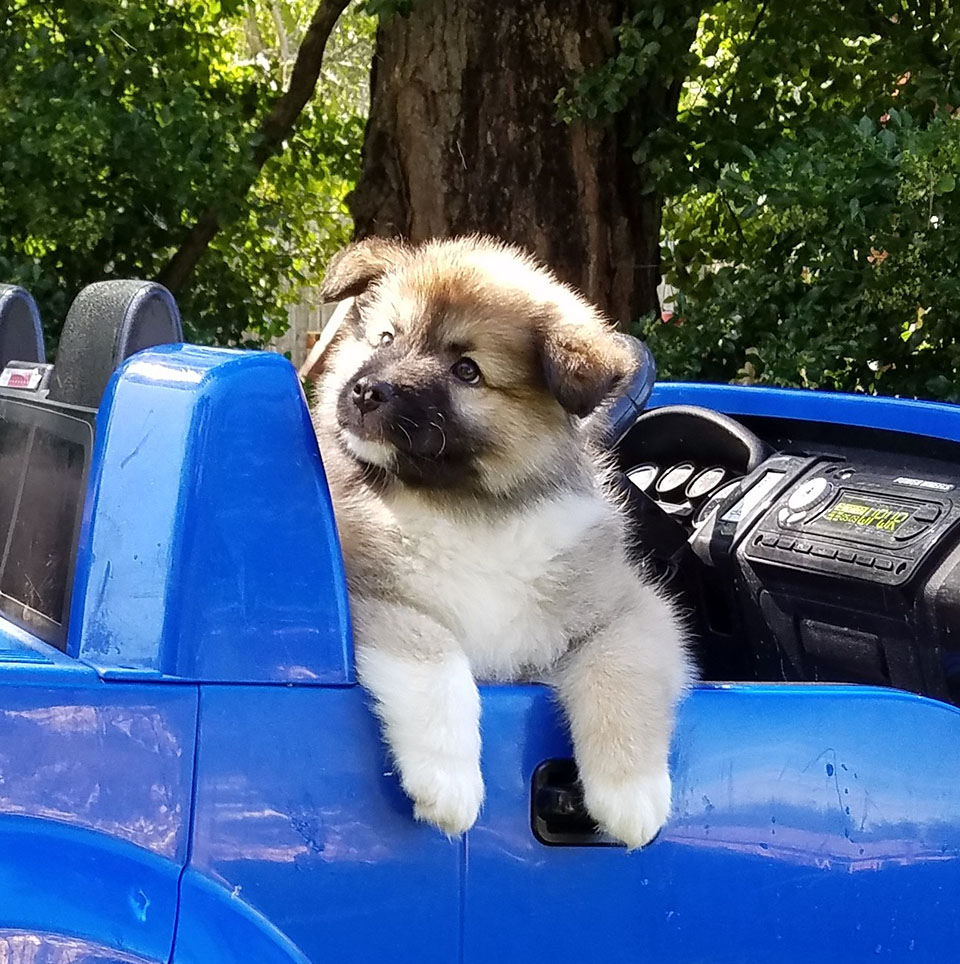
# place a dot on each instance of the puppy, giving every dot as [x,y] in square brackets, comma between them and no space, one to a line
[481,537]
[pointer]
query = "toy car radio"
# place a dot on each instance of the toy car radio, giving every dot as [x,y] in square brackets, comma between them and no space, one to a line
[856,523]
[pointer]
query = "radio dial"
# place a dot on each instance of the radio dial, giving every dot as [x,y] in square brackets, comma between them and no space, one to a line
[808,494]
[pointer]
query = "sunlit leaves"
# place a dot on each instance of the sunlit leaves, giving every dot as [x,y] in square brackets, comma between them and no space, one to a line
[120,122]
[830,262]
[810,177]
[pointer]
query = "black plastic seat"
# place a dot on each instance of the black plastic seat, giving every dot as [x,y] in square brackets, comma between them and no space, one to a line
[21,337]
[108,322]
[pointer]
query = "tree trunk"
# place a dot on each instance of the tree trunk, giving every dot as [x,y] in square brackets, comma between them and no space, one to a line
[464,136]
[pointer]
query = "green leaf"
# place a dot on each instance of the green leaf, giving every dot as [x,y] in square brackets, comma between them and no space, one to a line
[945,184]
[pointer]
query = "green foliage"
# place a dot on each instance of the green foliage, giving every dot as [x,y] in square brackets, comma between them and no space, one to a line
[653,56]
[652,37]
[828,261]
[122,122]
[763,72]
[385,9]
[812,221]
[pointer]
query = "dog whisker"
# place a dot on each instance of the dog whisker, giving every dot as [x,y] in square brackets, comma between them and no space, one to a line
[443,438]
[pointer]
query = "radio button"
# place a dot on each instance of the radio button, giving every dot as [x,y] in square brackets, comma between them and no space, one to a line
[787,518]
[885,564]
[825,552]
[910,529]
[808,494]
[865,560]
[785,543]
[845,555]
[802,547]
[927,513]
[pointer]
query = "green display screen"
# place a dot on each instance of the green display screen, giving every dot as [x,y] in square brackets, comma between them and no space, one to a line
[860,513]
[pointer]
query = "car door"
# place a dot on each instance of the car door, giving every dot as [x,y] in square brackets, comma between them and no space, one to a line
[811,823]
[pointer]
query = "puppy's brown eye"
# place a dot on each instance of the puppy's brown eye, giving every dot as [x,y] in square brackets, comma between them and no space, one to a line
[467,371]
[386,338]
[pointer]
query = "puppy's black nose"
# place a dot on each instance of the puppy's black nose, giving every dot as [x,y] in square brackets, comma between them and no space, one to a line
[368,395]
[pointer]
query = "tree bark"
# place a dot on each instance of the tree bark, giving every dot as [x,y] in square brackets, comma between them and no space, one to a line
[464,136]
[273,130]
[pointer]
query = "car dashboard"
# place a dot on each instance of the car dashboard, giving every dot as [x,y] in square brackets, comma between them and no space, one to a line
[803,551]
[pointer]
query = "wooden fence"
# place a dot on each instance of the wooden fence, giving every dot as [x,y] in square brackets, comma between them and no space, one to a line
[309,315]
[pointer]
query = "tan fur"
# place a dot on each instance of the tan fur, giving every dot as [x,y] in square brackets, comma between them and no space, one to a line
[509,562]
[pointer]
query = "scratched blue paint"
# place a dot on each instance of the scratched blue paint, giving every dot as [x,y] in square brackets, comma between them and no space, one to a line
[811,823]
[93,888]
[792,803]
[113,760]
[300,822]
[95,789]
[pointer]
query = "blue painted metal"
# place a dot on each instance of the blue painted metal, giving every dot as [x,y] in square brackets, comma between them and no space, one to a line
[24,659]
[208,549]
[95,788]
[936,419]
[301,822]
[92,888]
[812,823]
[218,927]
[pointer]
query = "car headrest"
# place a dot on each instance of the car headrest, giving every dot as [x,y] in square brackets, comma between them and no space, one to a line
[21,337]
[108,322]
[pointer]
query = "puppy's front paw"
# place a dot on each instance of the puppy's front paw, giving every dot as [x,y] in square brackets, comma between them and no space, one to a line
[447,793]
[634,809]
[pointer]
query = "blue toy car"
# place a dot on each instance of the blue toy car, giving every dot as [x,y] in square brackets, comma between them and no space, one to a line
[190,774]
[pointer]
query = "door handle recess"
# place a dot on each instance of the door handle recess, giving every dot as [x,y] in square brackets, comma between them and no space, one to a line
[558,816]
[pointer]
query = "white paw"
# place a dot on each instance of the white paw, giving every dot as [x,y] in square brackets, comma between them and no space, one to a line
[632,810]
[447,793]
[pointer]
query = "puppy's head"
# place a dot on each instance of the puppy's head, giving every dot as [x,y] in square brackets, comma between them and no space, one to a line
[463,365]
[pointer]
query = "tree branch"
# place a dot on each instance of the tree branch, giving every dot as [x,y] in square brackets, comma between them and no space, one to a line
[743,51]
[283,41]
[269,138]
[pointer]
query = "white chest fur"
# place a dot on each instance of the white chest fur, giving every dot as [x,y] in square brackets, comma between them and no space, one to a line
[503,586]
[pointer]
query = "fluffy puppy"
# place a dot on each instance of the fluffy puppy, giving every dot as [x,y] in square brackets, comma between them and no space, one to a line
[481,537]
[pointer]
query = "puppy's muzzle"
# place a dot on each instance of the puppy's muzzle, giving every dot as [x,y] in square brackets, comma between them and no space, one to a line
[369,395]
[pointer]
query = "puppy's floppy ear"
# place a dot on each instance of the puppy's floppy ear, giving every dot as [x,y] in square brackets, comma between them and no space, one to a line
[352,270]
[583,361]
